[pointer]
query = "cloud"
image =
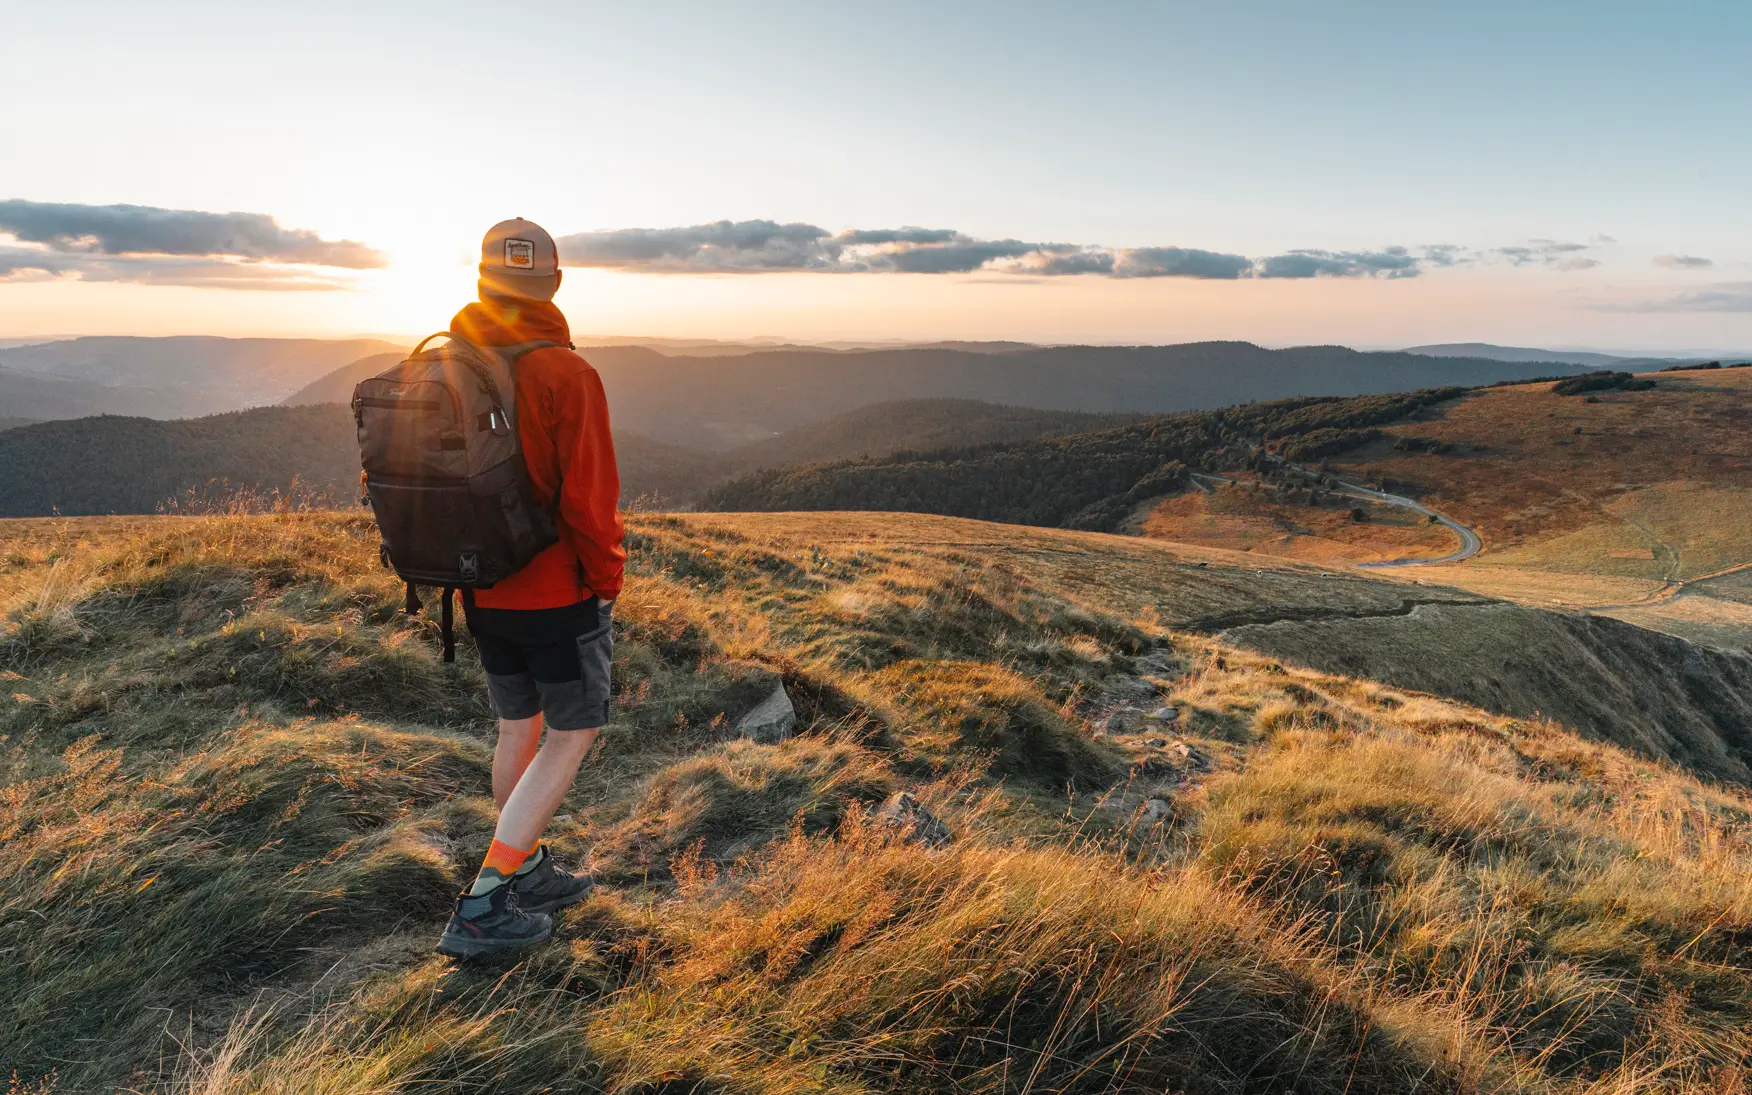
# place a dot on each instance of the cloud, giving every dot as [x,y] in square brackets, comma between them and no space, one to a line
[1726,296]
[1554,253]
[722,247]
[1391,262]
[741,247]
[897,235]
[33,264]
[145,230]
[152,246]
[1179,262]
[1687,262]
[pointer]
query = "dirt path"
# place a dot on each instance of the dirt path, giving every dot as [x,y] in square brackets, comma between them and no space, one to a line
[1673,588]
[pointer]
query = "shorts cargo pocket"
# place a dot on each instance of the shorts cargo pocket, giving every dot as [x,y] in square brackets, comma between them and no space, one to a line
[595,656]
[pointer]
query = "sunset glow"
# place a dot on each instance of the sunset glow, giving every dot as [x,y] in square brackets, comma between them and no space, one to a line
[1199,137]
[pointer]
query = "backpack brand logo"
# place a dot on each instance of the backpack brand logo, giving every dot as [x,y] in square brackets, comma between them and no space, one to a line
[520,254]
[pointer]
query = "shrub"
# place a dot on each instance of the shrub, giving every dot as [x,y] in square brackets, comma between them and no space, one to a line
[1600,382]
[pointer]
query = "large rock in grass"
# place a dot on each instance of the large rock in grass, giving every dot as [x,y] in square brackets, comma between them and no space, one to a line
[771,720]
[752,701]
[914,824]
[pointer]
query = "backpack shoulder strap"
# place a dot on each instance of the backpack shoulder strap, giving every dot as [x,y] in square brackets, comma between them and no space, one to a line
[430,337]
[517,350]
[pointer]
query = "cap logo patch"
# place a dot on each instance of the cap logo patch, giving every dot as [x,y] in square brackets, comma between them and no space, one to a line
[520,254]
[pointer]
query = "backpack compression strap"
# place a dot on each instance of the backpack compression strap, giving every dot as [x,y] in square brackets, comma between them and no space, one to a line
[446,615]
[447,622]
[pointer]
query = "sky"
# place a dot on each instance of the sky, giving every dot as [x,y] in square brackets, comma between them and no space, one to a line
[1373,174]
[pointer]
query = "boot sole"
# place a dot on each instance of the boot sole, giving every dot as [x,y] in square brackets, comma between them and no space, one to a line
[452,946]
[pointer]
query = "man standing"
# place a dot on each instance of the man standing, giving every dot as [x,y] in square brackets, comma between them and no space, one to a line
[545,634]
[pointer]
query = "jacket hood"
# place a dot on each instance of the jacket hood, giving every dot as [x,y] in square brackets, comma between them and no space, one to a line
[505,321]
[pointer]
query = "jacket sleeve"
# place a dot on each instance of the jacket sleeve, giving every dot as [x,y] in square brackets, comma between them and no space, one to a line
[590,519]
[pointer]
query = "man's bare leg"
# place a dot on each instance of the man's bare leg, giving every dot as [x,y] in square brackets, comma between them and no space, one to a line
[518,741]
[542,787]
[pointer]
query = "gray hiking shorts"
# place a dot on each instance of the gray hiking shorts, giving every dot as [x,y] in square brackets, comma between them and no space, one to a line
[552,661]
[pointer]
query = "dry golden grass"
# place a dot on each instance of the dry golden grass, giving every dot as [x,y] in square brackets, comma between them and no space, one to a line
[1522,472]
[1593,504]
[237,790]
[1246,518]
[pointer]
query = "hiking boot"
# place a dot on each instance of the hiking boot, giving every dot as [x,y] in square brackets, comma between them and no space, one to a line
[490,923]
[546,886]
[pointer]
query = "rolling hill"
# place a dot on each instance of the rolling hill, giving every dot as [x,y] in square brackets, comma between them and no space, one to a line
[721,403]
[337,386]
[1092,480]
[197,374]
[117,464]
[1635,504]
[239,789]
[1491,352]
[911,424]
[221,460]
[181,376]
[49,467]
[38,396]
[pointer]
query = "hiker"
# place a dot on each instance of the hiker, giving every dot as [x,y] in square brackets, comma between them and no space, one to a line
[545,633]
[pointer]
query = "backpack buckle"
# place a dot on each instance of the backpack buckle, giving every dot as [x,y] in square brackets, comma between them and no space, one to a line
[468,567]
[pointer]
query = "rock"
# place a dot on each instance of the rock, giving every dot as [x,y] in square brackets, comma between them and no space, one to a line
[914,823]
[1158,768]
[771,720]
[1165,714]
[1116,724]
[1158,810]
[1157,743]
[1190,755]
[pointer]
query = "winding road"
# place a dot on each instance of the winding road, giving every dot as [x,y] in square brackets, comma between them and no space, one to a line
[1470,542]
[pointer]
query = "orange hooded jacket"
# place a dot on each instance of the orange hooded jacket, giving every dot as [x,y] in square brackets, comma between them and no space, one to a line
[562,421]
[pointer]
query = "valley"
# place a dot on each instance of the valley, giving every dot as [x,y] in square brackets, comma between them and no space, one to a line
[1636,505]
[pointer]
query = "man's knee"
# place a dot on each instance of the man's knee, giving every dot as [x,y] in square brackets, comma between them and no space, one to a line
[572,742]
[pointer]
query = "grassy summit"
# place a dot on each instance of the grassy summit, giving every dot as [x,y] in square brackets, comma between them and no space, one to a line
[237,789]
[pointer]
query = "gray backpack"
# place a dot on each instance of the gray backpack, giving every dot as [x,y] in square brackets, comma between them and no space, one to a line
[444,470]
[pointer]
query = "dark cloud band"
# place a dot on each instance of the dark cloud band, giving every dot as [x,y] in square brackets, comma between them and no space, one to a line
[140,243]
[746,247]
[145,230]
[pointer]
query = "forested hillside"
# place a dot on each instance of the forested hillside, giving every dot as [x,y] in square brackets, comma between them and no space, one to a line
[113,464]
[1083,481]
[89,466]
[36,395]
[913,424]
[729,401]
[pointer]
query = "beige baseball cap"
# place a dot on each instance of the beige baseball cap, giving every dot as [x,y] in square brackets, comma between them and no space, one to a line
[519,259]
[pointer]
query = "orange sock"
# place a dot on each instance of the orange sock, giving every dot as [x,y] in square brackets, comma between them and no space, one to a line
[501,863]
